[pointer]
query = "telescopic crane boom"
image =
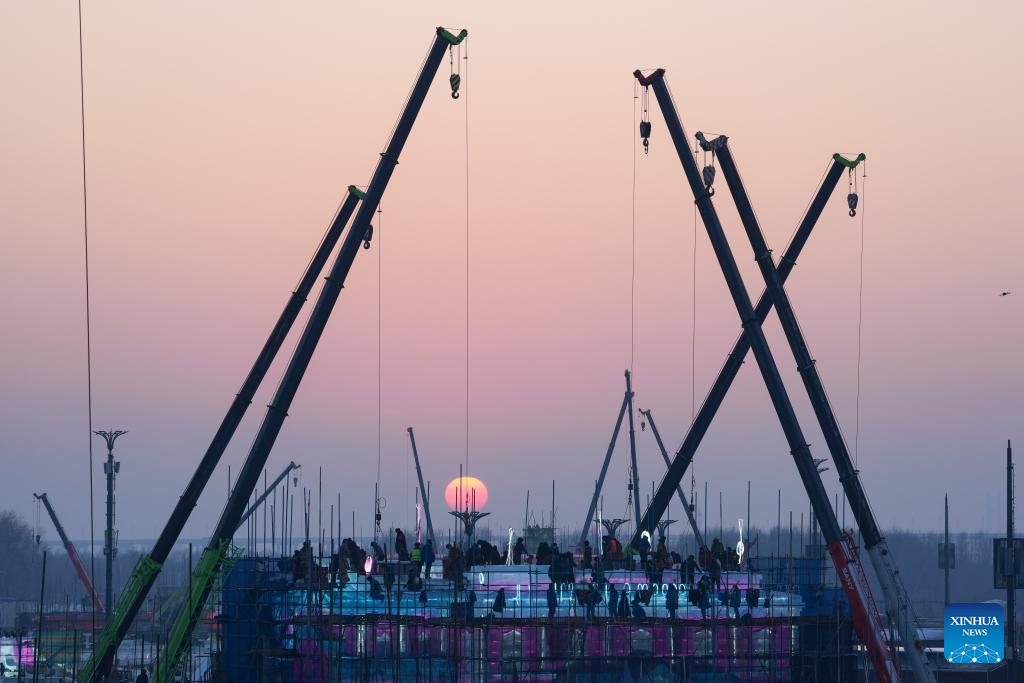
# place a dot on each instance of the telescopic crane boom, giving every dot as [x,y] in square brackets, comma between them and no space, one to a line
[679,489]
[734,360]
[894,594]
[423,490]
[634,485]
[867,623]
[148,567]
[76,561]
[213,555]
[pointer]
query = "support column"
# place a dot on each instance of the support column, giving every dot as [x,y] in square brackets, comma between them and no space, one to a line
[110,468]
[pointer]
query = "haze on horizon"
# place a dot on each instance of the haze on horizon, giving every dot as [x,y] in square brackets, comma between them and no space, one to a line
[220,140]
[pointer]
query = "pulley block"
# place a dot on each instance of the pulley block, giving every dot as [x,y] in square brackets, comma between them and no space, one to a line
[645,135]
[709,179]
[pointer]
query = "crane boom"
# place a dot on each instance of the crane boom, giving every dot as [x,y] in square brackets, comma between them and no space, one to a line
[599,484]
[148,567]
[894,594]
[214,554]
[270,489]
[679,489]
[423,488]
[634,479]
[867,623]
[76,560]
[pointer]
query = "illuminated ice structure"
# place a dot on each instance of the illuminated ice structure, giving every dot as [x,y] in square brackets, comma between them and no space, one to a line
[272,625]
[526,594]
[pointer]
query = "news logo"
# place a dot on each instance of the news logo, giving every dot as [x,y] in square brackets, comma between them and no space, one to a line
[973,633]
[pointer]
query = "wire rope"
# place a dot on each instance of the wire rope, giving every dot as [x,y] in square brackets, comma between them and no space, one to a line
[860,317]
[380,297]
[88,310]
[466,134]
[632,267]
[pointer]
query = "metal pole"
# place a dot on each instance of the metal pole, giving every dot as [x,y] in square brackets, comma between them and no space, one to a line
[526,515]
[945,555]
[111,467]
[1011,578]
[110,545]
[319,508]
[604,471]
[423,488]
[749,523]
[553,532]
[39,635]
[268,490]
[679,489]
[632,451]
[190,569]
[778,527]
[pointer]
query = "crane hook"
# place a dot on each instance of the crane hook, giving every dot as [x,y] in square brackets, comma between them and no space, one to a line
[709,179]
[455,80]
[645,135]
[851,201]
[367,236]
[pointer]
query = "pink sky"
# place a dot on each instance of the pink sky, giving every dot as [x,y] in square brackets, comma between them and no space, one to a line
[220,140]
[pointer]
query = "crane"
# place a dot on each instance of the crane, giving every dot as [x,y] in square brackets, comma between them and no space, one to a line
[148,567]
[734,359]
[423,490]
[270,489]
[358,236]
[866,620]
[687,508]
[634,482]
[894,594]
[76,561]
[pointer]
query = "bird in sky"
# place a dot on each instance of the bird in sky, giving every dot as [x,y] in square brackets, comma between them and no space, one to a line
[1004,294]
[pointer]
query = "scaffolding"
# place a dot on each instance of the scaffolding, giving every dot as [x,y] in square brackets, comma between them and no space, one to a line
[274,623]
[309,618]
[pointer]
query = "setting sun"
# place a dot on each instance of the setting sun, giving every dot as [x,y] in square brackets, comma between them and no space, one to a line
[469,489]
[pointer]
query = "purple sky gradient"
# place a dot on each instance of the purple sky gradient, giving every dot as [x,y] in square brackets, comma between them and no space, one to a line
[221,137]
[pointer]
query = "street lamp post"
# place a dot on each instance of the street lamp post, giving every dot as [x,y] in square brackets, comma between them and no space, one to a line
[469,518]
[663,525]
[111,467]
